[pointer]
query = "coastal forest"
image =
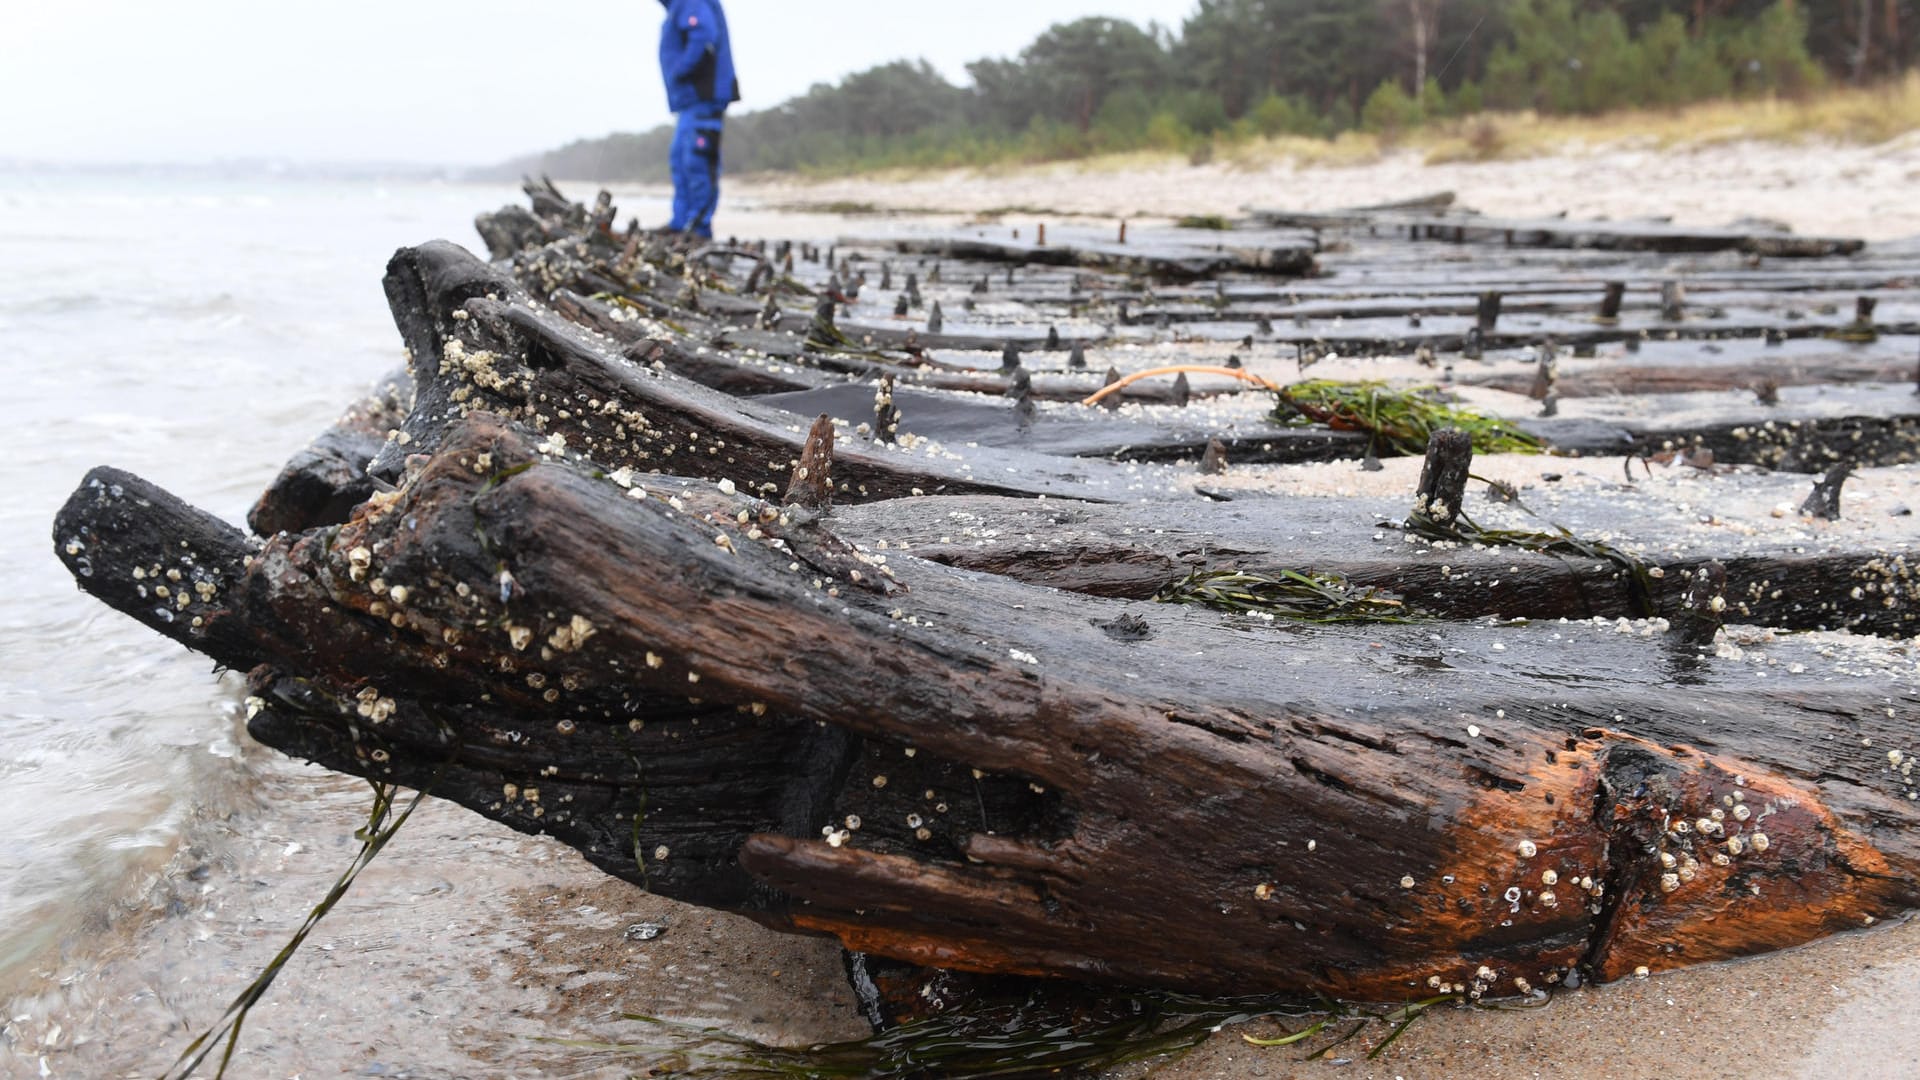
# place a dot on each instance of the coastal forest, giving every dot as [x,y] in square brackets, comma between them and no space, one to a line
[1241,70]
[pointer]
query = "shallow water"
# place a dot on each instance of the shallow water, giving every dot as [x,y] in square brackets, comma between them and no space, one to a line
[198,332]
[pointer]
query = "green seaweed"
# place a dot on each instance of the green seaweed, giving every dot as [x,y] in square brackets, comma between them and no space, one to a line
[1400,1016]
[1560,541]
[1211,222]
[1288,594]
[1399,420]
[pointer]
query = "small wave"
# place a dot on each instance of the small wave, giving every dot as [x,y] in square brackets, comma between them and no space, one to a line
[223,303]
[222,308]
[59,304]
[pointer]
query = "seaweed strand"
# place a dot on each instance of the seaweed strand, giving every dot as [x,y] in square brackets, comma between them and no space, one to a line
[1289,594]
[373,836]
[1400,420]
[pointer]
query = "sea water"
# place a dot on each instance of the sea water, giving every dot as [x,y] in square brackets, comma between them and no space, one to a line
[196,331]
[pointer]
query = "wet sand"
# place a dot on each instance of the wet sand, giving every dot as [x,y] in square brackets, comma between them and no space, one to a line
[463,950]
[467,950]
[1832,1009]
[470,950]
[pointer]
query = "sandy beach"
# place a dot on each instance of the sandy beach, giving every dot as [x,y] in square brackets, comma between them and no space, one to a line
[1817,188]
[468,950]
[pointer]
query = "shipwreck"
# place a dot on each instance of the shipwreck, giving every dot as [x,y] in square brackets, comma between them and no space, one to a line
[800,583]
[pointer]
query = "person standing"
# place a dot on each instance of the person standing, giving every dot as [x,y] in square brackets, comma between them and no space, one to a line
[696,60]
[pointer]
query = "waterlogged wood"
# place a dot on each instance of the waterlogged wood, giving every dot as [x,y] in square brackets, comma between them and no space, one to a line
[1733,311]
[1387,335]
[898,334]
[513,229]
[749,361]
[326,480]
[1178,799]
[1788,580]
[1660,367]
[1760,329]
[1170,253]
[1139,552]
[954,731]
[1367,271]
[477,342]
[754,362]
[981,421]
[1564,233]
[1808,430]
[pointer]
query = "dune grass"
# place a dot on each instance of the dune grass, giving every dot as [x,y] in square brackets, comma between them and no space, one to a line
[1849,115]
[1857,115]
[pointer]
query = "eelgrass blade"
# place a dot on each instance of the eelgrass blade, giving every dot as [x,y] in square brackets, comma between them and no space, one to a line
[1351,1032]
[1408,1014]
[373,836]
[1560,541]
[1289,594]
[1307,1032]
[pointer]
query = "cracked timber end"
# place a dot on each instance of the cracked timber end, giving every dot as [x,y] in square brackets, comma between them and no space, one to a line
[1703,607]
[1443,477]
[1824,500]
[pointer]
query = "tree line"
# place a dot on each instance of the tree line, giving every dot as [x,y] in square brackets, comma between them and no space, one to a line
[1239,69]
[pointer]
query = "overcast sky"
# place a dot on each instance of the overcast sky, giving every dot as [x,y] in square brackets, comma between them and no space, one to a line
[435,81]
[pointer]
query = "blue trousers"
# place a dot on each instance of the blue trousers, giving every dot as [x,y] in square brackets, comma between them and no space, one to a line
[695,158]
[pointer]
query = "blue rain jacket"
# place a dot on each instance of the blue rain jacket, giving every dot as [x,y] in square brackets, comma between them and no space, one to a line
[696,59]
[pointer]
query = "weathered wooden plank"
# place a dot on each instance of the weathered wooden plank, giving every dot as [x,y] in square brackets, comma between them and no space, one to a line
[1794,582]
[1564,233]
[328,478]
[1444,333]
[1161,252]
[1742,310]
[761,362]
[1661,367]
[1526,799]
[1809,430]
[970,420]
[476,342]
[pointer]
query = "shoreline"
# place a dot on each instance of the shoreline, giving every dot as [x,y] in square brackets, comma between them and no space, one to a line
[465,949]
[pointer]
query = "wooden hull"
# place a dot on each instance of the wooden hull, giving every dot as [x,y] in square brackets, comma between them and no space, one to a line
[567,594]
